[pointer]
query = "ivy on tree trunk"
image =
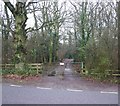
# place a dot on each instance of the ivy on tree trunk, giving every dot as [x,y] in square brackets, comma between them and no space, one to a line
[20,33]
[20,15]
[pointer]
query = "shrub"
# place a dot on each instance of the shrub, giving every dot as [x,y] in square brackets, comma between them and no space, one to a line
[21,72]
[5,71]
[32,72]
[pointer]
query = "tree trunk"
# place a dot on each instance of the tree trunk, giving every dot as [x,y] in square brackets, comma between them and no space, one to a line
[119,35]
[20,33]
[20,15]
[83,22]
[50,51]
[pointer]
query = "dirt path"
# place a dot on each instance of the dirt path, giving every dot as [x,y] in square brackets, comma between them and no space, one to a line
[73,81]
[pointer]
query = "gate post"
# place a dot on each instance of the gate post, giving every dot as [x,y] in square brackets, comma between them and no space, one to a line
[82,65]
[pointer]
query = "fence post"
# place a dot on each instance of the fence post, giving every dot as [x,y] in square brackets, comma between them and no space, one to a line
[37,68]
[82,65]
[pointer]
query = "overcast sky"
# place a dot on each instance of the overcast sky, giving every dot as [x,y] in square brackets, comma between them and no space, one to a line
[30,21]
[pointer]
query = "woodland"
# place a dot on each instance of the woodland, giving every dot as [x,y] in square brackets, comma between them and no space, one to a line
[86,32]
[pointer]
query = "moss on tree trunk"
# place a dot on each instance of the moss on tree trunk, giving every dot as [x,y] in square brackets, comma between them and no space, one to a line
[20,33]
[20,15]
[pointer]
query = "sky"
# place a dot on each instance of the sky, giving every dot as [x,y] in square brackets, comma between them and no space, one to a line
[30,21]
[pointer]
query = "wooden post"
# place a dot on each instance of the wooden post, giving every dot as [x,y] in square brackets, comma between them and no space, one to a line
[37,68]
[82,65]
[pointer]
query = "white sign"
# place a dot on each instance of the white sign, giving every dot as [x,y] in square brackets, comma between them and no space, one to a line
[61,64]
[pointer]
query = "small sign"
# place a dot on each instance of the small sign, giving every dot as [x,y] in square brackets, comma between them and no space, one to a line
[61,64]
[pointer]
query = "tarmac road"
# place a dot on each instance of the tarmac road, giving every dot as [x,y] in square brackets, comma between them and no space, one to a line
[18,94]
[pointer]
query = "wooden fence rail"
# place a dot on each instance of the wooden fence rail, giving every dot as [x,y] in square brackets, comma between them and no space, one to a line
[34,66]
[7,66]
[114,73]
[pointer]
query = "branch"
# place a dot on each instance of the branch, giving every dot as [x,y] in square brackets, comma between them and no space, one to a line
[32,29]
[10,6]
[43,25]
[74,6]
[30,4]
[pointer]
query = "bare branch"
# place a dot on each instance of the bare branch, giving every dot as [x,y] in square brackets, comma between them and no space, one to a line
[10,6]
[30,4]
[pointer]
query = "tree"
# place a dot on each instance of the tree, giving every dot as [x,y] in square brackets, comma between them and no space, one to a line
[81,27]
[19,13]
[95,30]
[6,32]
[118,35]
[49,20]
